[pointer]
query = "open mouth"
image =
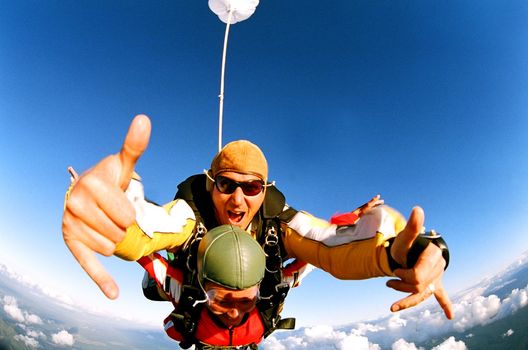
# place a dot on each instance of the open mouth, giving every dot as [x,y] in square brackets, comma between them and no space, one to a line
[235,217]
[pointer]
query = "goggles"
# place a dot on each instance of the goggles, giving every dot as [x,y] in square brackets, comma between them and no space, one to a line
[228,186]
[220,303]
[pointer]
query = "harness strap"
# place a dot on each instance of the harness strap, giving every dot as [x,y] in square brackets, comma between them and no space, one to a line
[185,317]
[272,289]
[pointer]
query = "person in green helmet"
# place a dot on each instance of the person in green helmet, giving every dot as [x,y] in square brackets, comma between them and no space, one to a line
[230,266]
[106,213]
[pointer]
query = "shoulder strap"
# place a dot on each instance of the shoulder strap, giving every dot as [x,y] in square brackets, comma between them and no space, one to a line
[187,313]
[194,192]
[273,290]
[186,316]
[273,203]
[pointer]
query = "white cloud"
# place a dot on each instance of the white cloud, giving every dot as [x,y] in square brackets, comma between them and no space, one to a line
[481,310]
[32,319]
[62,298]
[320,332]
[401,344]
[11,308]
[352,342]
[451,344]
[35,334]
[63,338]
[516,300]
[321,337]
[362,328]
[396,322]
[31,337]
[29,341]
[292,342]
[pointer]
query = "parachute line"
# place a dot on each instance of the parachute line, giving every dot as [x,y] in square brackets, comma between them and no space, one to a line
[222,77]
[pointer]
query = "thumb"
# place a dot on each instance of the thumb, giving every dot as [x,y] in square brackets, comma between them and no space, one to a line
[406,237]
[136,142]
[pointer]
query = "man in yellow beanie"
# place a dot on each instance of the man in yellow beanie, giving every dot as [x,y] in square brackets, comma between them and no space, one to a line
[106,213]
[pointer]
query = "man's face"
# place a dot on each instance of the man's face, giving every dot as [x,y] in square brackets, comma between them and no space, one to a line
[236,209]
[230,306]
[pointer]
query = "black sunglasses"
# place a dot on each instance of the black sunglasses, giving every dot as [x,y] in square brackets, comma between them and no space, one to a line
[228,186]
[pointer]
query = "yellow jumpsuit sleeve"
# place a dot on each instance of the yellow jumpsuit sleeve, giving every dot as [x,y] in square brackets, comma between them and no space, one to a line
[347,252]
[137,243]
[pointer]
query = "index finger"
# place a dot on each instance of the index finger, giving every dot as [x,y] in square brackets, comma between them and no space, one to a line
[94,268]
[410,301]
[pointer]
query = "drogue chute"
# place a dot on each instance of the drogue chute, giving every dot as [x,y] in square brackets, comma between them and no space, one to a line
[240,9]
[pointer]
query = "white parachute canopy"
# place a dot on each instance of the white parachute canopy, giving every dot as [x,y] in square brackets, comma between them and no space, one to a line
[241,9]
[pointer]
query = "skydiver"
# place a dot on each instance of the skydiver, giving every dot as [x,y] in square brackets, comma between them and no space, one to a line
[229,290]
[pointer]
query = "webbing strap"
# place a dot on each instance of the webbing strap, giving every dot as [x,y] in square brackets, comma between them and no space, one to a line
[286,323]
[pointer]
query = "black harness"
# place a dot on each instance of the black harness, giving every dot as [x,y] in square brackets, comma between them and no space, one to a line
[273,291]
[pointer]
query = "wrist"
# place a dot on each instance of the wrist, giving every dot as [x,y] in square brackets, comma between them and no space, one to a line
[417,248]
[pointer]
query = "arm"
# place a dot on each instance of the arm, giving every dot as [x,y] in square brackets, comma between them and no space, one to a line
[156,228]
[363,251]
[137,243]
[346,252]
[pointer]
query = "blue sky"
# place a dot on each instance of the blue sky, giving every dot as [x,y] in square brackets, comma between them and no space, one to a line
[424,102]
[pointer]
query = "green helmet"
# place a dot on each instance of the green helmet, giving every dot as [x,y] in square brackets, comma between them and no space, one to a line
[230,257]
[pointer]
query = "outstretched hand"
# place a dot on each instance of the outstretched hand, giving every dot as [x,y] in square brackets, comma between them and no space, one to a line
[425,278]
[97,211]
[374,202]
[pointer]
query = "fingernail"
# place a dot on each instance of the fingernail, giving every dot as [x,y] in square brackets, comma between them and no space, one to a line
[395,308]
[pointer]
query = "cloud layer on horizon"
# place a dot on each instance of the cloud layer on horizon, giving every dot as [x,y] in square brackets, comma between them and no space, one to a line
[402,330]
[399,331]
[66,301]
